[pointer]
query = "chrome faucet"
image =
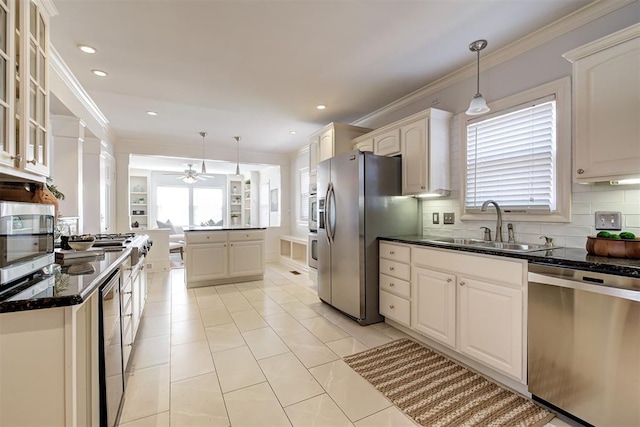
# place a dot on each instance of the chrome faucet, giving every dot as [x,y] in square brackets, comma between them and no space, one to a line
[498,234]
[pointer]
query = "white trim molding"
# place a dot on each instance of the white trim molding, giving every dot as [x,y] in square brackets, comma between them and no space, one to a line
[580,17]
[618,37]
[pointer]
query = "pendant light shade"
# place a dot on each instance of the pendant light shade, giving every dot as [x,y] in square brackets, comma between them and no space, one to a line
[203,168]
[237,138]
[478,104]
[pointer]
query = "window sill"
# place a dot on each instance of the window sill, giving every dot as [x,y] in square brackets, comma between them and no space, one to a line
[552,217]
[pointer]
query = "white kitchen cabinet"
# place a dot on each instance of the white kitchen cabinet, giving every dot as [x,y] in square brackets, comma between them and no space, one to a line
[491,318]
[24,98]
[235,204]
[364,145]
[606,88]
[313,159]
[395,290]
[335,139]
[220,256]
[433,304]
[387,143]
[473,304]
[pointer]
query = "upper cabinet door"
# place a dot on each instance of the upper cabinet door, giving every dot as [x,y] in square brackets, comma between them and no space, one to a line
[7,27]
[606,76]
[326,149]
[34,89]
[414,157]
[387,144]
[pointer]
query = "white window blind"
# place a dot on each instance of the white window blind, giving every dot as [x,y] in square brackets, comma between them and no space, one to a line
[511,159]
[304,194]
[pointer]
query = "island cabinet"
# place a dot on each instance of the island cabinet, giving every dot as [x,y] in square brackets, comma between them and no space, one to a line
[606,88]
[214,257]
[473,305]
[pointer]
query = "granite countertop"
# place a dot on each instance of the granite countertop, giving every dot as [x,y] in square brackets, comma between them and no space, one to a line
[561,257]
[219,228]
[75,282]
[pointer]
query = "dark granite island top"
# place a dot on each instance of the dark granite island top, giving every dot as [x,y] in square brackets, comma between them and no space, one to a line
[560,257]
[75,282]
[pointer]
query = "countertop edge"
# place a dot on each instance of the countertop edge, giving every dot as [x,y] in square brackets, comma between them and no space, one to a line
[596,264]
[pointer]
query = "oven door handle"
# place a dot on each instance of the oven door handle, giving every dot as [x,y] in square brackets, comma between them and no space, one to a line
[582,286]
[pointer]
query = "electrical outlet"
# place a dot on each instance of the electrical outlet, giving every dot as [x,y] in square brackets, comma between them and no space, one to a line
[435,218]
[608,220]
[449,218]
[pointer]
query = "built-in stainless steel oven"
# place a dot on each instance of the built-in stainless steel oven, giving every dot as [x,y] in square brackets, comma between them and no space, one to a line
[313,208]
[26,239]
[312,248]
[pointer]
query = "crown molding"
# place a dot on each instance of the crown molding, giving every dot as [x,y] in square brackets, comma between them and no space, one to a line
[537,38]
[605,42]
[49,7]
[66,75]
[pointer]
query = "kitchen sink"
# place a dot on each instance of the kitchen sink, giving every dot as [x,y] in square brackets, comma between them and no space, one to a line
[498,246]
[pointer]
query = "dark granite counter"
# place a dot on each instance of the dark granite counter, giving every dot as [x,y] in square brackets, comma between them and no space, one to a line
[76,280]
[219,228]
[561,257]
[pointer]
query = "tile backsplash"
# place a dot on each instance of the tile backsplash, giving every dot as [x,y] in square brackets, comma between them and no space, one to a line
[586,200]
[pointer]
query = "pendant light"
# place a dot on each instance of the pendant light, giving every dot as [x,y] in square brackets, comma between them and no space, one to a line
[478,105]
[203,168]
[237,138]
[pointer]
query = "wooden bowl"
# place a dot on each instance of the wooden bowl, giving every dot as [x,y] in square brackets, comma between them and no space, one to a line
[613,248]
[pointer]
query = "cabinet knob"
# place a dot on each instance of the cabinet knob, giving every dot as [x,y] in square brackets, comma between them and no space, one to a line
[580,171]
[17,157]
[392,252]
[462,283]
[391,268]
[391,307]
[448,280]
[392,284]
[230,244]
[422,187]
[32,161]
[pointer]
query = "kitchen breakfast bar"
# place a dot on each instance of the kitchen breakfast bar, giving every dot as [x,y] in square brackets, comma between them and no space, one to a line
[219,255]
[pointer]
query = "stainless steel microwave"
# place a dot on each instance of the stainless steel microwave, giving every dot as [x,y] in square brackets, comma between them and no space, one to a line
[313,213]
[26,239]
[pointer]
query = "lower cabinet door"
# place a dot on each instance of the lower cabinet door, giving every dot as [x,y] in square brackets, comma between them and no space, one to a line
[491,325]
[246,258]
[434,305]
[395,308]
[206,262]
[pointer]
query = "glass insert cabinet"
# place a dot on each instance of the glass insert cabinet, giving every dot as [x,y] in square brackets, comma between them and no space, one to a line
[24,86]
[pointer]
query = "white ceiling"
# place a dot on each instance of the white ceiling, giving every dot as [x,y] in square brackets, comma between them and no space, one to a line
[258,68]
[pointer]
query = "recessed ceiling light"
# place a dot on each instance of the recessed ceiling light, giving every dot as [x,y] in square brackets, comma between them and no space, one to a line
[321,107]
[99,73]
[292,132]
[86,49]
[152,113]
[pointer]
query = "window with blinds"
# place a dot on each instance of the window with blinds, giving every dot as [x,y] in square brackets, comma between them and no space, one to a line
[304,194]
[511,158]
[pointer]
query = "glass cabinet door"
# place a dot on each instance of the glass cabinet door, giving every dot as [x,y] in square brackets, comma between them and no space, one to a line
[7,146]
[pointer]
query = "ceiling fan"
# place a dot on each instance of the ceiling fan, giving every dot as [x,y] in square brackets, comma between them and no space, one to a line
[190,175]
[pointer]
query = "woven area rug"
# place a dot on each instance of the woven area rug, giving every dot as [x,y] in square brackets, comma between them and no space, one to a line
[435,391]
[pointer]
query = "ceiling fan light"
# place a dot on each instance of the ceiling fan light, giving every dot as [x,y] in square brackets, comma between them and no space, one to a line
[189,179]
[477,106]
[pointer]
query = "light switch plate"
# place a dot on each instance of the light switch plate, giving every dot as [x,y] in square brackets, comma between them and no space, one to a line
[449,217]
[436,218]
[605,220]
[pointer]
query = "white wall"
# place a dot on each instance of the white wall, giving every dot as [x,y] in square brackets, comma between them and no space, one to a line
[529,69]
[299,160]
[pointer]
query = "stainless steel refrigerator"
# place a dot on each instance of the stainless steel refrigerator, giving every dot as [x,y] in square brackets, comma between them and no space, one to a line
[359,200]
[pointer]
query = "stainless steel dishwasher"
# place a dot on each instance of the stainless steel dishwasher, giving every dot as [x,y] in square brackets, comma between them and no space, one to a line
[584,344]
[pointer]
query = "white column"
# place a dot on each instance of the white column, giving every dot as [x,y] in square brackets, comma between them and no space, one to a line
[92,206]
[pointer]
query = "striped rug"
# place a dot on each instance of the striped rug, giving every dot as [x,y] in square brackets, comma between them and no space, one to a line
[437,392]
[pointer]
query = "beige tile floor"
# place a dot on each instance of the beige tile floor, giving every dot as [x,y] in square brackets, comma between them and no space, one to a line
[263,353]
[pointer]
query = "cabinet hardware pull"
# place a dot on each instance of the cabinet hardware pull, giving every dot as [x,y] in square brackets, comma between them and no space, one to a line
[392,284]
[32,161]
[391,268]
[391,307]
[448,280]
[392,252]
[127,293]
[462,283]
[17,157]
[580,171]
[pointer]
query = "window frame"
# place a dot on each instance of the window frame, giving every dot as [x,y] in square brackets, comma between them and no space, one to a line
[303,214]
[561,90]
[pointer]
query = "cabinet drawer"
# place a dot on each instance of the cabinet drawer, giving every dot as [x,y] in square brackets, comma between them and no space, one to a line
[206,237]
[395,269]
[395,252]
[241,236]
[395,308]
[396,286]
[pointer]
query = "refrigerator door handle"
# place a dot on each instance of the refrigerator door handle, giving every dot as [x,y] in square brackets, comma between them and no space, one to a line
[327,213]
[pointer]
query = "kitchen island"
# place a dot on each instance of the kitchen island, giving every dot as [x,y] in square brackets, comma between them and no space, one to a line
[219,255]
